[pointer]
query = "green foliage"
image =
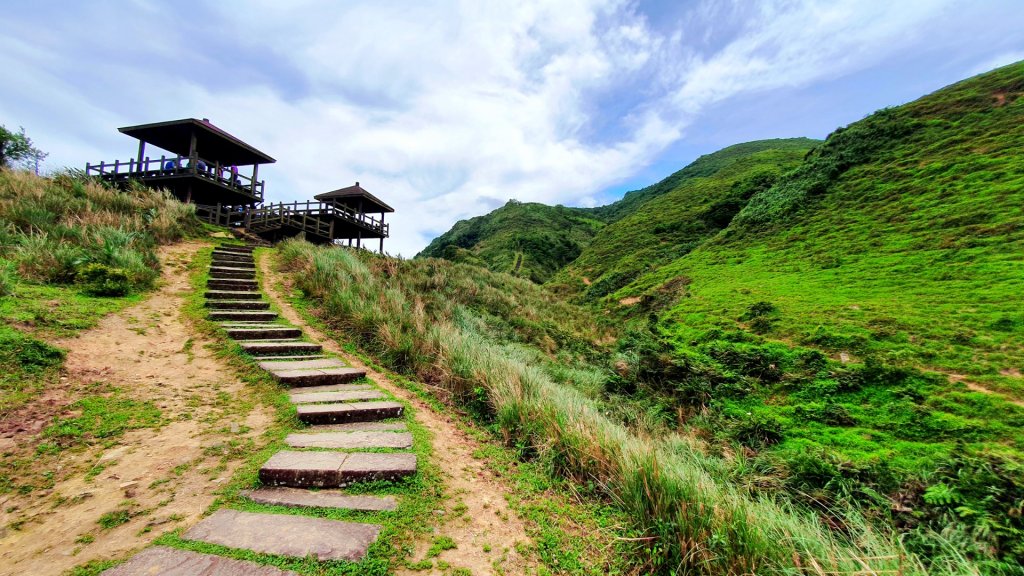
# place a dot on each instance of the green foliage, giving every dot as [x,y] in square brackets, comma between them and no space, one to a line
[54,228]
[102,416]
[8,278]
[17,148]
[101,280]
[528,240]
[690,206]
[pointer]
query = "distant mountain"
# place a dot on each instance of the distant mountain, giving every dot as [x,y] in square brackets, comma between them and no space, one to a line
[536,241]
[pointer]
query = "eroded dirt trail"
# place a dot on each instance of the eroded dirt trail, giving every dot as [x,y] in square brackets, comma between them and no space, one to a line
[152,479]
[478,519]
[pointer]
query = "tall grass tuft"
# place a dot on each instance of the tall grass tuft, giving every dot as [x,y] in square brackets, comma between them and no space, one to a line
[697,523]
[53,229]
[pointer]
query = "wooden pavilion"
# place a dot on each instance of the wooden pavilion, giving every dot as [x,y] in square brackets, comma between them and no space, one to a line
[203,164]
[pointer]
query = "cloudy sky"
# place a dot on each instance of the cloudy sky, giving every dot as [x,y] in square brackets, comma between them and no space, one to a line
[448,109]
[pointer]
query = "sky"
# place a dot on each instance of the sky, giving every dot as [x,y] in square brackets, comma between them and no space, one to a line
[448,109]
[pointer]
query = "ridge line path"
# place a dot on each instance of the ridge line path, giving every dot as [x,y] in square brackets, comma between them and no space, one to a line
[488,521]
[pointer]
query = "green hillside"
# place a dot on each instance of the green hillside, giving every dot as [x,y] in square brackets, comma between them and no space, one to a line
[679,213]
[528,240]
[535,241]
[843,337]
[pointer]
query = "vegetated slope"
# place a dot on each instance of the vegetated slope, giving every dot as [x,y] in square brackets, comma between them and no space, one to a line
[663,222]
[528,366]
[897,249]
[69,247]
[902,236]
[528,240]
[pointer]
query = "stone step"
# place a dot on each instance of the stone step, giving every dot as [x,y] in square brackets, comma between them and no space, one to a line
[222,257]
[168,561]
[299,357]
[334,469]
[227,325]
[338,396]
[316,376]
[238,304]
[341,413]
[278,333]
[331,387]
[279,348]
[303,364]
[233,248]
[232,267]
[350,440]
[233,295]
[223,274]
[297,497]
[240,315]
[231,284]
[358,427]
[286,535]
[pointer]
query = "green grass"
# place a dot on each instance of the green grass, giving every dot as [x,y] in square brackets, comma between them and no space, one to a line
[663,484]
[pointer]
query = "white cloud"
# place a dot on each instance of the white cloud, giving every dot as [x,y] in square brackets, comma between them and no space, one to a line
[445,109]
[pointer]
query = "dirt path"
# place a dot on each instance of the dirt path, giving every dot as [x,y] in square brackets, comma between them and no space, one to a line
[479,520]
[152,479]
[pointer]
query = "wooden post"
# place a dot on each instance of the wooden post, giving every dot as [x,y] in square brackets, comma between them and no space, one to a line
[359,238]
[87,168]
[382,244]
[192,152]
[142,153]
[217,221]
[117,166]
[255,171]
[146,167]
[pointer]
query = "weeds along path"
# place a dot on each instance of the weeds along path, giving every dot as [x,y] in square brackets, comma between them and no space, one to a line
[487,534]
[86,498]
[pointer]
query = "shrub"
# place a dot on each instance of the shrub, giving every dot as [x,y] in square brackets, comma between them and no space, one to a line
[102,280]
[8,278]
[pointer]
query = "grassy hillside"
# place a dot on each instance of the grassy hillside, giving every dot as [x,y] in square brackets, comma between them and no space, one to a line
[529,366]
[859,325]
[677,214]
[536,241]
[71,251]
[526,240]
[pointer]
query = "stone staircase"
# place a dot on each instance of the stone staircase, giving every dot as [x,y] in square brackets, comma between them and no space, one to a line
[346,415]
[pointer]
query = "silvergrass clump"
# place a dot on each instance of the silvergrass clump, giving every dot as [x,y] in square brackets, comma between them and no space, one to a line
[697,522]
[52,228]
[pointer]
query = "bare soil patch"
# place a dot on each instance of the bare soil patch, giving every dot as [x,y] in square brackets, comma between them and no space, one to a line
[478,516]
[147,481]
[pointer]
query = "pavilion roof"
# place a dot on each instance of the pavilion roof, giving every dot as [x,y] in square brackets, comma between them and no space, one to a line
[212,143]
[353,196]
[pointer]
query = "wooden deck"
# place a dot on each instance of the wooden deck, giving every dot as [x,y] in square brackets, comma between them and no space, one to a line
[321,222]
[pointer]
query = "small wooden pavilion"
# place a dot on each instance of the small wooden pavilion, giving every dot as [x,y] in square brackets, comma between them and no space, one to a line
[201,164]
[352,210]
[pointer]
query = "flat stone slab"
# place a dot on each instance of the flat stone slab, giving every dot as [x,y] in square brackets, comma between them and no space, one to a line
[303,364]
[348,440]
[359,427]
[231,260]
[238,304]
[338,396]
[277,333]
[231,284]
[348,412]
[167,561]
[241,315]
[233,295]
[316,376]
[333,388]
[286,535]
[223,274]
[295,357]
[282,496]
[334,469]
[259,348]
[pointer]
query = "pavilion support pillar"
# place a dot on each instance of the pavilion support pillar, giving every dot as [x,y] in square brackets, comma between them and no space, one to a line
[382,245]
[359,238]
[255,172]
[142,154]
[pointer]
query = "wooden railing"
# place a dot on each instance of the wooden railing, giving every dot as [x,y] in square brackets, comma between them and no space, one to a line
[174,166]
[311,217]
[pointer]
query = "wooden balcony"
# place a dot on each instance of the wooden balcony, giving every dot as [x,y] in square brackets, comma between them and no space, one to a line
[198,181]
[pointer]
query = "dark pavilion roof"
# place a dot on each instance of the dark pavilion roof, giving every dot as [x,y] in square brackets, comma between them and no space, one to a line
[355,197]
[212,143]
